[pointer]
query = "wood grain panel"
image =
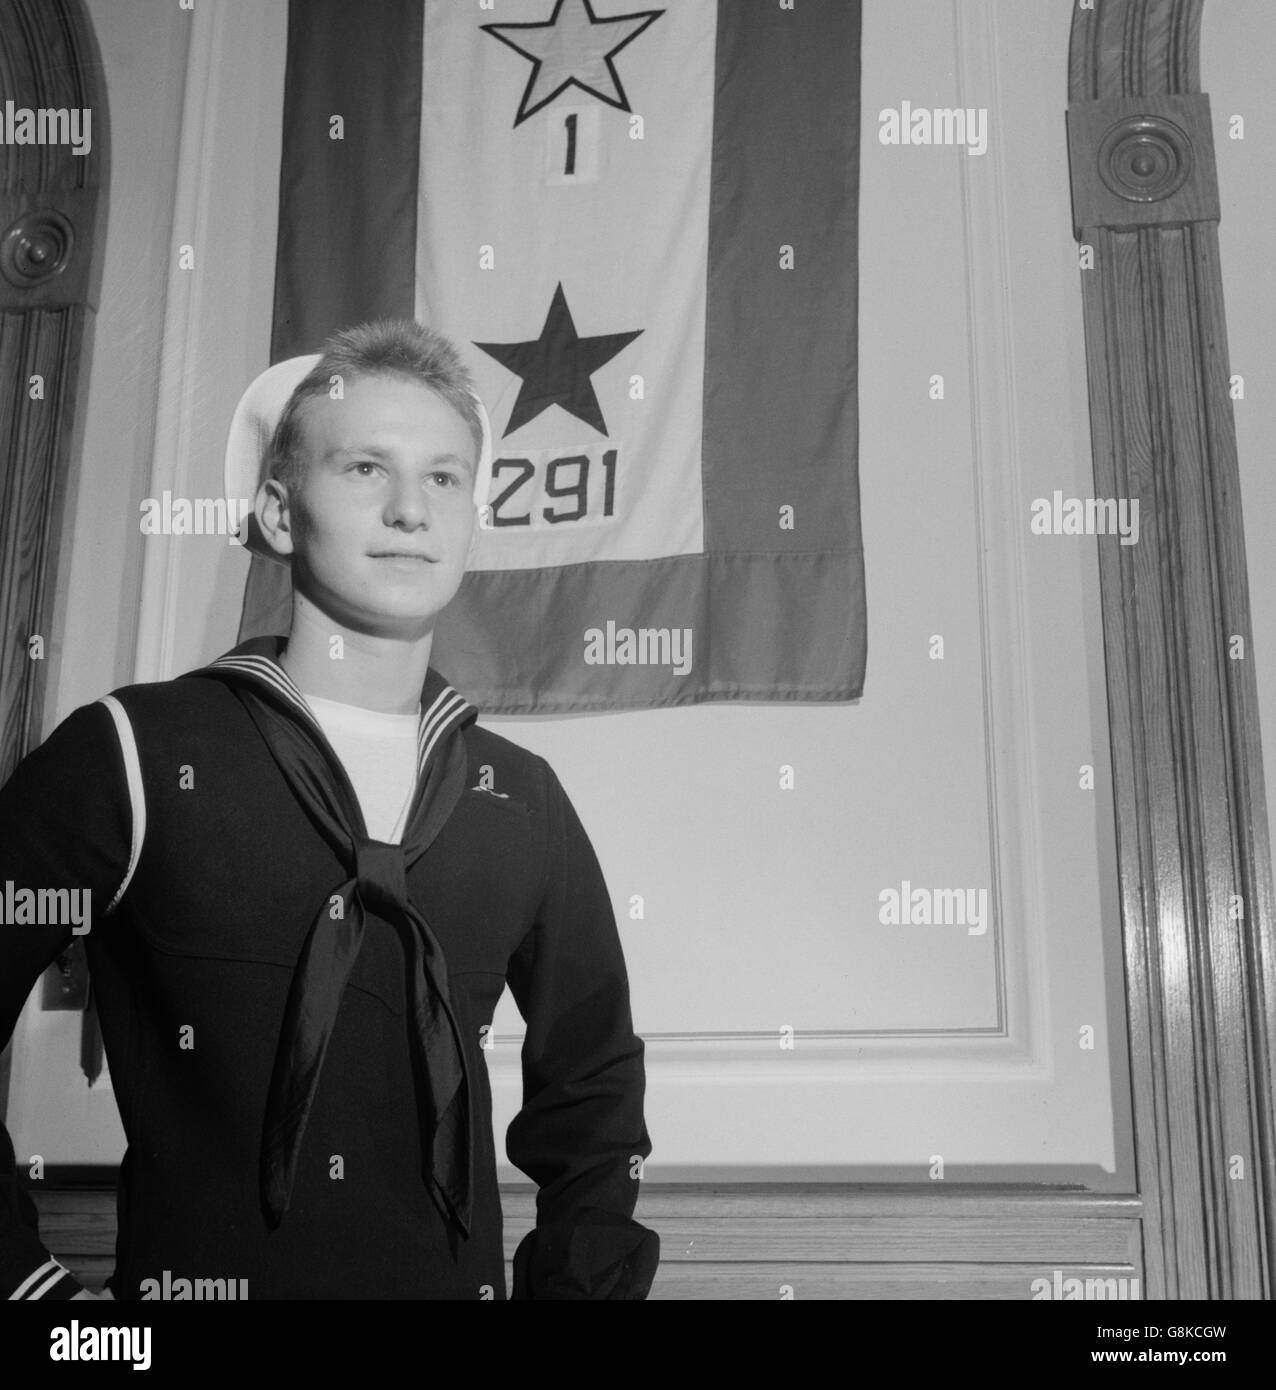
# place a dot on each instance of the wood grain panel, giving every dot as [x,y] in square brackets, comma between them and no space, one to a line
[1194,855]
[38,345]
[868,1281]
[822,1241]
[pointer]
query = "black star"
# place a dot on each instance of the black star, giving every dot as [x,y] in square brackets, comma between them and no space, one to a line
[556,368]
[578,53]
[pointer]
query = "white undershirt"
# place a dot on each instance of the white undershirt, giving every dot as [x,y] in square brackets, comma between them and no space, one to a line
[379,753]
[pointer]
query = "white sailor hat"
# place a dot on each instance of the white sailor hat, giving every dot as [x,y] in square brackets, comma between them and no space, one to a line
[254,423]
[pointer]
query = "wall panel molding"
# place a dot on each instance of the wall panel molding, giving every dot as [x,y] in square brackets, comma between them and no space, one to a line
[838,1069]
[210,58]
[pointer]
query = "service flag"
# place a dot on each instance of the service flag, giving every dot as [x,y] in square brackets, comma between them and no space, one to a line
[639,227]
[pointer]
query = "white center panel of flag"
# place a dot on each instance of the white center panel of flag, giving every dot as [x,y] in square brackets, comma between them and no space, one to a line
[573,274]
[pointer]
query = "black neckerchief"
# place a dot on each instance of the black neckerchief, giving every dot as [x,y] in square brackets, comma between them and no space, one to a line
[375,886]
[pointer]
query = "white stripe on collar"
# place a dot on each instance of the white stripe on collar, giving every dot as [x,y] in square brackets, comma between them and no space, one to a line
[272,673]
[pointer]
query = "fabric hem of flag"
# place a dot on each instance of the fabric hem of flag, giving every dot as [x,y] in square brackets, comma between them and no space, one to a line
[644,616]
[702,695]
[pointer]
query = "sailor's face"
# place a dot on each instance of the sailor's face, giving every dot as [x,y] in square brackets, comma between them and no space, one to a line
[383,518]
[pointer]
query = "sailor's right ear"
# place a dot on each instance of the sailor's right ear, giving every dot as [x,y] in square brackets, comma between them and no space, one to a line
[272,517]
[248,443]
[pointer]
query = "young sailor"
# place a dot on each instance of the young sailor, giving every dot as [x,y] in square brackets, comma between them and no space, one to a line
[312,874]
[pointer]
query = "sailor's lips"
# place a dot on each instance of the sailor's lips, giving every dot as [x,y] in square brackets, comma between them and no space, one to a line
[407,561]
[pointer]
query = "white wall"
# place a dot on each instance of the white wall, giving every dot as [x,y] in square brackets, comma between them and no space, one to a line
[760,905]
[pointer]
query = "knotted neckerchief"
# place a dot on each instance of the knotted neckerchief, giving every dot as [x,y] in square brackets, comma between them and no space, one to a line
[375,887]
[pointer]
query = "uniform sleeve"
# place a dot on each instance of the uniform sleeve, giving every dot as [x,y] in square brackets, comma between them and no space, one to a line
[580,1135]
[65,823]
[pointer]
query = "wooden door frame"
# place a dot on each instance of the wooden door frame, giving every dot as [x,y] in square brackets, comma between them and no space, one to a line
[1193,853]
[52,232]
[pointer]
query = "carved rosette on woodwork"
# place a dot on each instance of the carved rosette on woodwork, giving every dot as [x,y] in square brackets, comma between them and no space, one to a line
[1142,161]
[50,242]
[38,246]
[1145,158]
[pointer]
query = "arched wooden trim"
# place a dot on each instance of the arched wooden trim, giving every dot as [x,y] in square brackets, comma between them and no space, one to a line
[51,237]
[1194,856]
[50,266]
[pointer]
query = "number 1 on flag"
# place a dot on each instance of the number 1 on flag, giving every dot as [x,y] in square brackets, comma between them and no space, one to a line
[571,145]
